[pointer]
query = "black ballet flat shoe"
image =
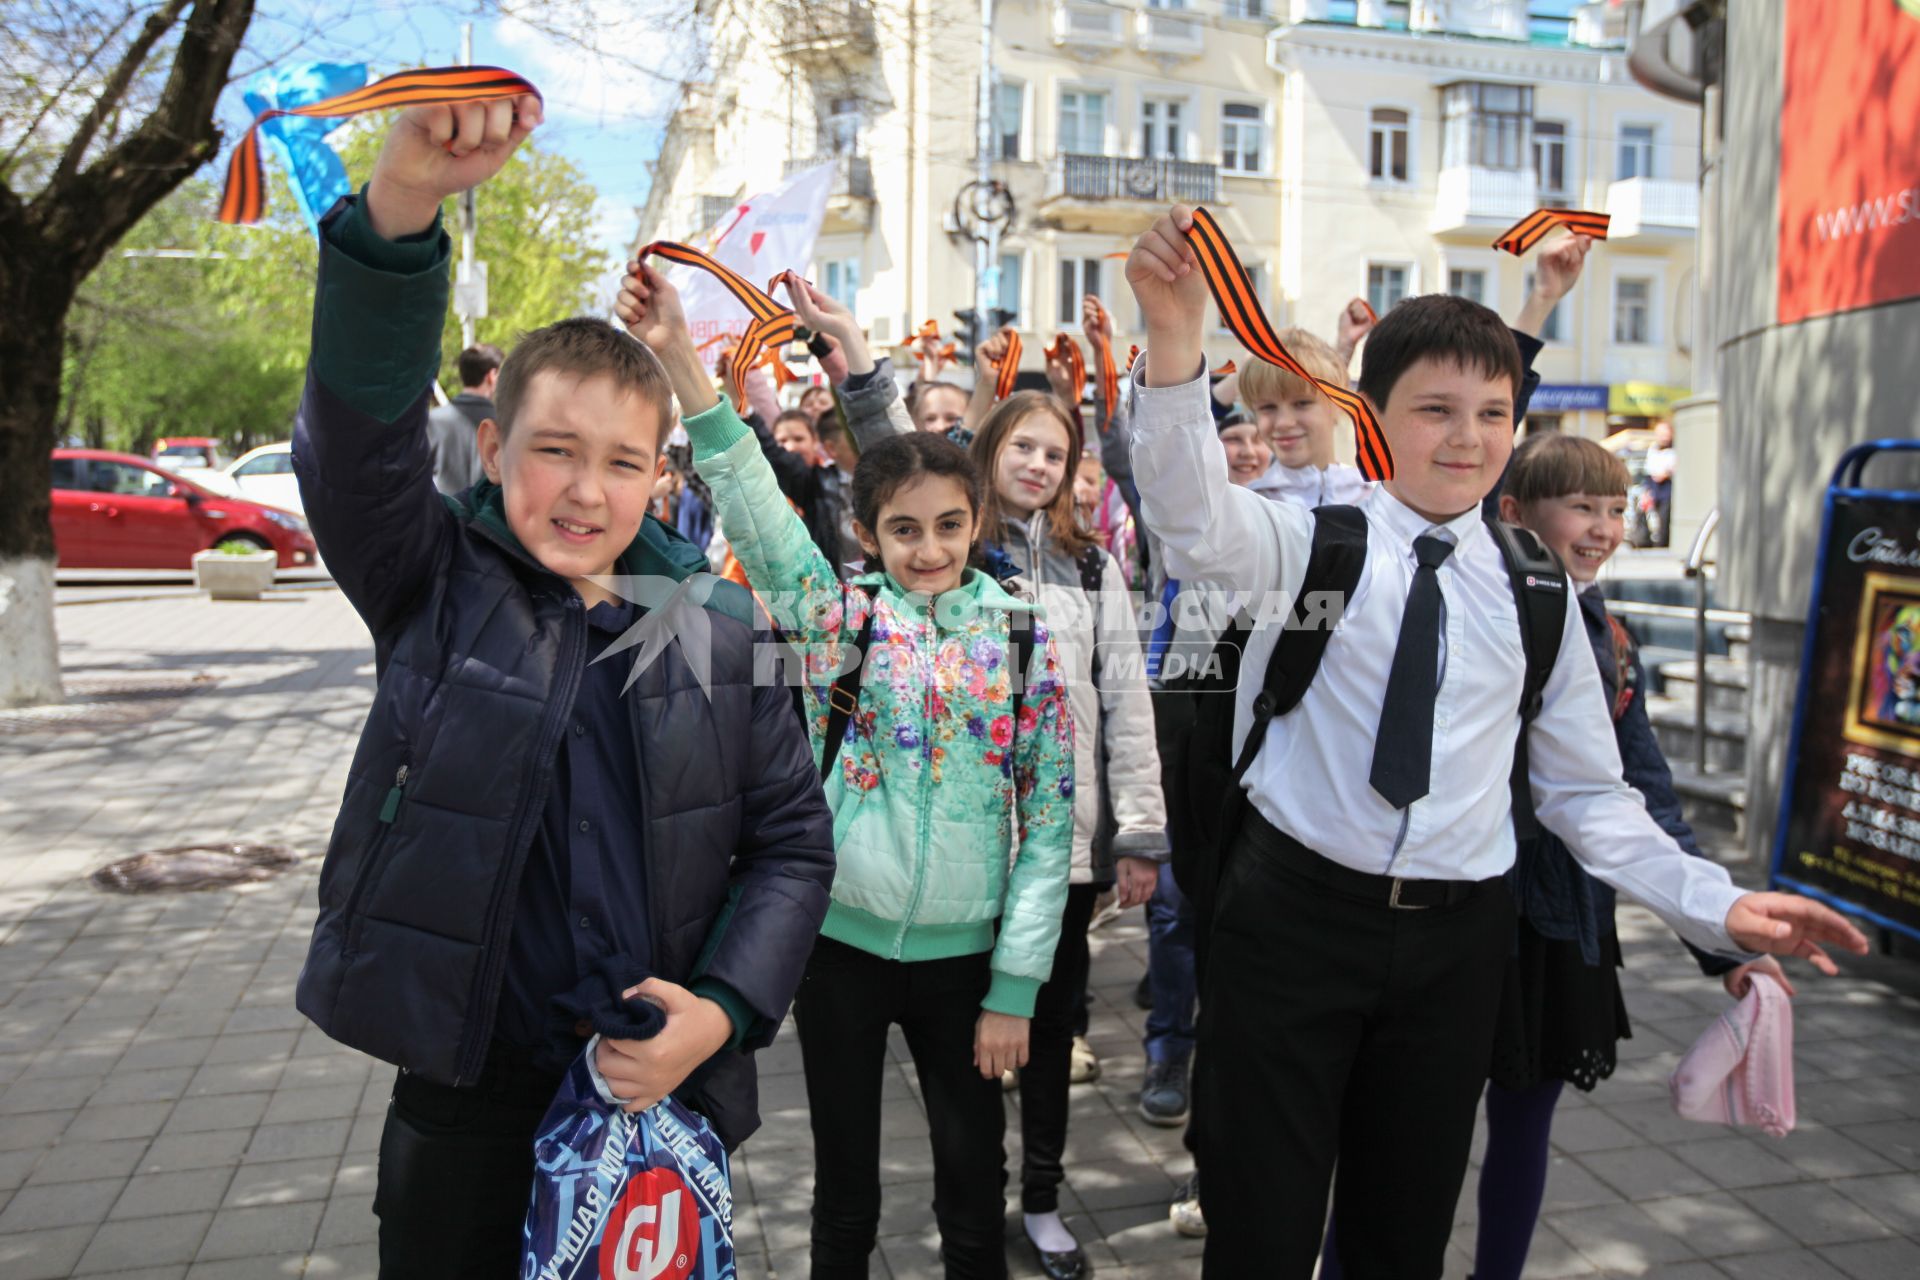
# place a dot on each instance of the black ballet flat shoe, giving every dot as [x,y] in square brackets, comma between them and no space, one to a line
[1070,1265]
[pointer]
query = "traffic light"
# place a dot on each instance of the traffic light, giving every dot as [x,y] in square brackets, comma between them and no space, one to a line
[968,335]
[1002,318]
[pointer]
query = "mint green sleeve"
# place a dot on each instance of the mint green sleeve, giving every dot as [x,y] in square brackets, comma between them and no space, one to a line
[796,584]
[1043,799]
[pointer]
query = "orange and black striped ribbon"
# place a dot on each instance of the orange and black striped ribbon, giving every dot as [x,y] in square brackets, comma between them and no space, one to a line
[1109,375]
[772,324]
[1009,368]
[1226,370]
[1065,347]
[245,198]
[1533,228]
[1240,308]
[1373,317]
[930,332]
[1133,357]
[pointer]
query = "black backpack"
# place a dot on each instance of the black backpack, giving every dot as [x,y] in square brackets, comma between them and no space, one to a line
[1194,716]
[844,699]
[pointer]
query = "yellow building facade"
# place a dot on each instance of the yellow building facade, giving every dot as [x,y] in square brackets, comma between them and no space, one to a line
[1367,149]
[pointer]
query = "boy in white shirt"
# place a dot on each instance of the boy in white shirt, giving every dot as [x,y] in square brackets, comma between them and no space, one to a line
[1361,922]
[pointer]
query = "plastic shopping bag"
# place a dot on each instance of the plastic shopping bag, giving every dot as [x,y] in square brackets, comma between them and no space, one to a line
[626,1197]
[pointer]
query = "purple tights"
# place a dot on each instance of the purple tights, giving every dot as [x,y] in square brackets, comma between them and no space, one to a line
[1513,1179]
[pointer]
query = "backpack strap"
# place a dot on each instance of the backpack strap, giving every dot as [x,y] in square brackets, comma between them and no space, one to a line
[844,698]
[1333,568]
[1020,637]
[1093,569]
[1540,591]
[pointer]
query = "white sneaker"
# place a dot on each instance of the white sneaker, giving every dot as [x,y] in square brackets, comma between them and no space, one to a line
[1084,1063]
[1185,1213]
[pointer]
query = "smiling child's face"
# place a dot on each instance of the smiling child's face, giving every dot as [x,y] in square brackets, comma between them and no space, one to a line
[925,534]
[576,471]
[1299,428]
[1031,464]
[1451,432]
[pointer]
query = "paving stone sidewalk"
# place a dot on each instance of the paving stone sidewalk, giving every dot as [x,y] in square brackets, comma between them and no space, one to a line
[164,1112]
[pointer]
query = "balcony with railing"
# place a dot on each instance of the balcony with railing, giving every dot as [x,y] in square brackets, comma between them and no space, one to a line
[1168,32]
[825,31]
[1471,199]
[1128,179]
[1089,24]
[850,198]
[1650,210]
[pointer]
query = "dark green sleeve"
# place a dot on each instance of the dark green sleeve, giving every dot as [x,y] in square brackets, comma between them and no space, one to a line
[378,311]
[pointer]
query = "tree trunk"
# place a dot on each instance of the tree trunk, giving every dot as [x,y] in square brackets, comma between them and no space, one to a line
[48,245]
[30,345]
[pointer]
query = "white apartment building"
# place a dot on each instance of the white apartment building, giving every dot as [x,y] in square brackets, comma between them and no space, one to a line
[1412,135]
[1366,148]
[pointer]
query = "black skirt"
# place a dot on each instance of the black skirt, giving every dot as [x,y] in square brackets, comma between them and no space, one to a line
[1560,1017]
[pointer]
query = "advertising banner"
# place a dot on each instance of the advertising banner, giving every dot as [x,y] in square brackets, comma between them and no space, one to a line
[1849,828]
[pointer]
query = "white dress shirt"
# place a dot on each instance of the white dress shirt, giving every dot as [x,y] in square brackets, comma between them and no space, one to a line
[1310,778]
[1312,486]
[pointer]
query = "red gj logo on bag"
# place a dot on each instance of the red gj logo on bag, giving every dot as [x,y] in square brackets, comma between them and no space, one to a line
[653,1233]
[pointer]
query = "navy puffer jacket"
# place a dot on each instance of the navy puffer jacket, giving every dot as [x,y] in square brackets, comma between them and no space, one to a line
[479,652]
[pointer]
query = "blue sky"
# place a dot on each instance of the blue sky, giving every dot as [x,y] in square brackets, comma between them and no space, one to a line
[605,114]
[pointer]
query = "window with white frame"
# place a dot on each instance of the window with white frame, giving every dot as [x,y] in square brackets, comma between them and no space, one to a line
[1083,122]
[1636,151]
[1469,283]
[1243,137]
[842,280]
[1554,328]
[1487,125]
[1388,136]
[1078,278]
[1386,285]
[1633,311]
[1550,158]
[1009,112]
[1011,287]
[1247,10]
[1163,128]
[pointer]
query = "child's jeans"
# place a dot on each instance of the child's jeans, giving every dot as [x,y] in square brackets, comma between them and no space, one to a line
[846,1003]
[456,1171]
[1170,972]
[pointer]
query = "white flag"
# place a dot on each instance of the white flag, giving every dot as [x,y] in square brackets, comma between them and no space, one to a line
[759,237]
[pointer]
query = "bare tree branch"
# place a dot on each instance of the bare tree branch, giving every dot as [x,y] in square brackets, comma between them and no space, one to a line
[156,26]
[81,218]
[54,99]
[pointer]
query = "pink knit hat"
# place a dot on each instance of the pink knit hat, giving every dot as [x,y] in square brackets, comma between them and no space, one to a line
[1741,1070]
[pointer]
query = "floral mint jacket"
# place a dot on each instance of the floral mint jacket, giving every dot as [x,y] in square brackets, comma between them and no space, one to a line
[949,812]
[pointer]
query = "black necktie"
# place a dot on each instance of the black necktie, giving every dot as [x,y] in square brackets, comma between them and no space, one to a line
[1403,744]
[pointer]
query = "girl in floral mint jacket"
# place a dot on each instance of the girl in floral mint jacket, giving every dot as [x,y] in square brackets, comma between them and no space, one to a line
[952,795]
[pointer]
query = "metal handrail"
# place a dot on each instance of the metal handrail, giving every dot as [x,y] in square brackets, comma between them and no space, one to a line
[1696,566]
[1685,612]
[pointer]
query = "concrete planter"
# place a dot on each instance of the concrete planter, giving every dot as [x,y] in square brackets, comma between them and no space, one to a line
[230,577]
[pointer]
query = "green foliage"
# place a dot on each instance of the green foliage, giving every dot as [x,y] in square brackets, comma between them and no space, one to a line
[216,343]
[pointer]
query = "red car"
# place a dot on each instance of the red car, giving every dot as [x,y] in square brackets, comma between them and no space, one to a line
[116,511]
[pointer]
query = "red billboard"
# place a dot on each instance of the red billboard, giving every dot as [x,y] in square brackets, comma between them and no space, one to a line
[1849,156]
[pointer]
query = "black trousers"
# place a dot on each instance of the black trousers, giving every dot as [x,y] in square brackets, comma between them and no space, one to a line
[1336,1030]
[456,1172]
[1044,1082]
[846,1002]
